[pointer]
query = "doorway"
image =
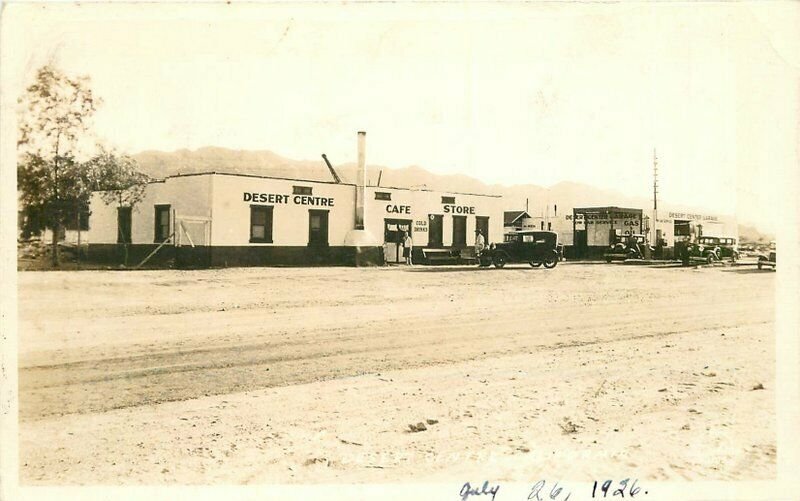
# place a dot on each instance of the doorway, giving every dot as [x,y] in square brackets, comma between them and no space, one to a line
[317,228]
[482,225]
[459,231]
[393,239]
[581,243]
[435,232]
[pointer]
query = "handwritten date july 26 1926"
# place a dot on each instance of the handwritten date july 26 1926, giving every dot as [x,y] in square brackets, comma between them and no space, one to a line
[544,491]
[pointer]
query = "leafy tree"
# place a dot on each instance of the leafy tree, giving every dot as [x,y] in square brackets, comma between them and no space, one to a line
[57,170]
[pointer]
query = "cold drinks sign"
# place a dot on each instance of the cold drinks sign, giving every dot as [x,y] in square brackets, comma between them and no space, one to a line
[276,198]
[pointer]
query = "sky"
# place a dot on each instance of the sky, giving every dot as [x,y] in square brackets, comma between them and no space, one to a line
[512,94]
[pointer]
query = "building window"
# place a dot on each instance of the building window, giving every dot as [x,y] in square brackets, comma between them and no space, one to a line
[549,226]
[301,190]
[382,195]
[448,200]
[261,224]
[123,225]
[162,223]
[78,223]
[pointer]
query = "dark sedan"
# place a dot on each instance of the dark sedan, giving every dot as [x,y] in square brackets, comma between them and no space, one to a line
[536,248]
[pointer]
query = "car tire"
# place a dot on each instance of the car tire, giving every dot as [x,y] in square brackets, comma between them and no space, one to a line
[710,258]
[535,264]
[499,260]
[551,262]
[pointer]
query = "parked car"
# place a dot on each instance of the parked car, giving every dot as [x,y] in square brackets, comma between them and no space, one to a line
[770,259]
[692,252]
[722,247]
[622,249]
[536,248]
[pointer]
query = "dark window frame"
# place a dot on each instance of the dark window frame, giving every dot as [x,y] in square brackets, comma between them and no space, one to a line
[120,235]
[161,208]
[302,190]
[463,241]
[327,217]
[83,220]
[268,223]
[383,195]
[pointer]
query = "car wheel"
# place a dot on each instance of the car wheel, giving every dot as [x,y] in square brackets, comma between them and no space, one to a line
[535,264]
[499,260]
[550,262]
[608,260]
[710,258]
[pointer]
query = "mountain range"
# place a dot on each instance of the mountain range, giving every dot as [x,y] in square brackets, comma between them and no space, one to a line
[537,199]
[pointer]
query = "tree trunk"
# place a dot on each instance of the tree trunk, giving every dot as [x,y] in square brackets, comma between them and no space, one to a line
[56,232]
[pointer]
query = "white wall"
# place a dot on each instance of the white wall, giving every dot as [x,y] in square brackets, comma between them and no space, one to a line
[102,221]
[418,205]
[231,212]
[188,196]
[221,198]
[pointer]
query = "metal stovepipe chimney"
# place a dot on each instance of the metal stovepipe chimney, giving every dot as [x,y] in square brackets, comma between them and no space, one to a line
[361,181]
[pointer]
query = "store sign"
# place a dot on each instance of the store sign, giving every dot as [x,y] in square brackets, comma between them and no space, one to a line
[616,219]
[458,209]
[398,209]
[276,198]
[692,217]
[604,216]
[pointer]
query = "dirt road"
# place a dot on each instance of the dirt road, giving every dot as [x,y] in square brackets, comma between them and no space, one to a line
[254,375]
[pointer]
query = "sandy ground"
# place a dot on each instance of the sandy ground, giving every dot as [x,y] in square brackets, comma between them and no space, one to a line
[313,375]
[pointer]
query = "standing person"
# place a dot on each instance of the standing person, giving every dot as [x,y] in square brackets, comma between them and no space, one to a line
[633,244]
[408,246]
[480,243]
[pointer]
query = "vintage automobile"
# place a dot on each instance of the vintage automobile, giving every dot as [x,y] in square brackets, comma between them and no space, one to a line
[694,252]
[621,249]
[768,260]
[536,248]
[722,247]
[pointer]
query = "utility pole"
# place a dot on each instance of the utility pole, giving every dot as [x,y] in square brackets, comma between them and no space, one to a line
[655,196]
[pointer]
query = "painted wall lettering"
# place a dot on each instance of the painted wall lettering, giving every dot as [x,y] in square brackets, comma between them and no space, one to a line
[266,198]
[692,217]
[458,209]
[276,198]
[398,209]
[309,200]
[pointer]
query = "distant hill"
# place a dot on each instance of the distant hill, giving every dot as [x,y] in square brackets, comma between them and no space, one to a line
[752,234]
[565,194]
